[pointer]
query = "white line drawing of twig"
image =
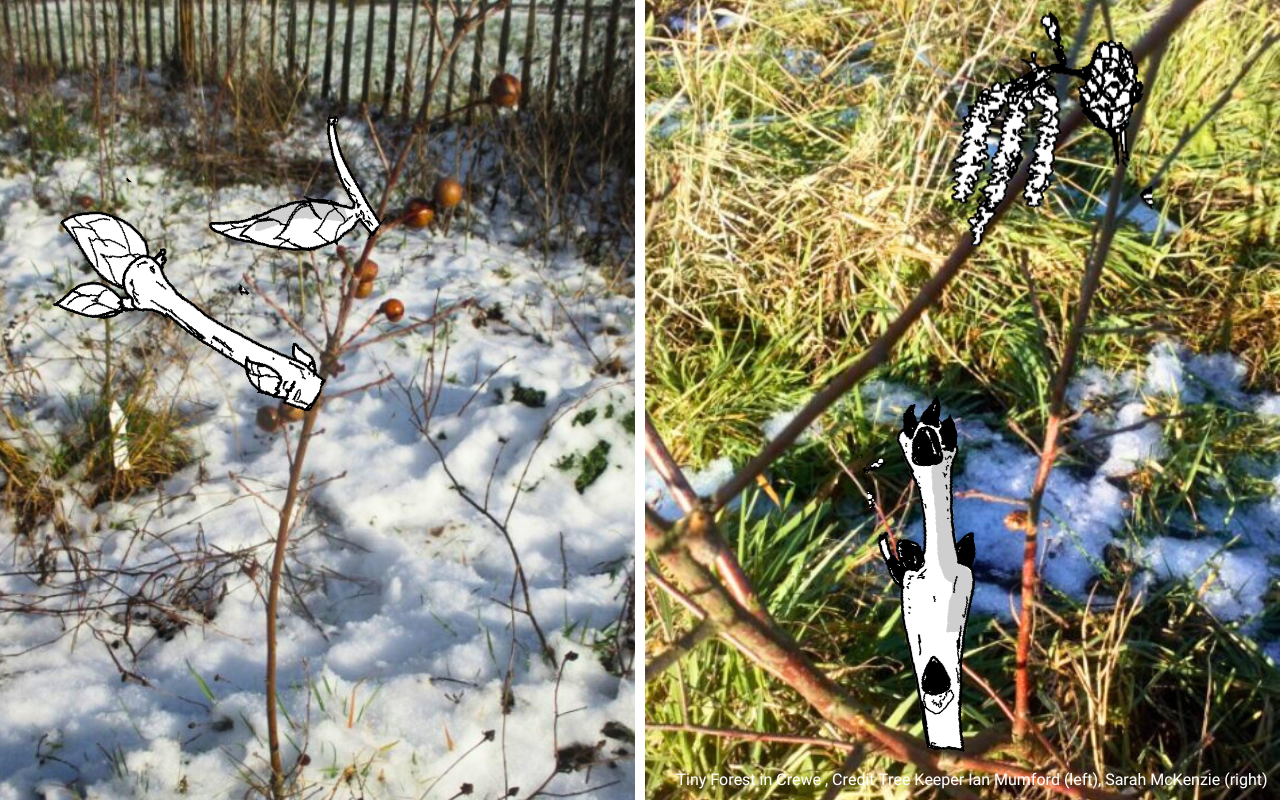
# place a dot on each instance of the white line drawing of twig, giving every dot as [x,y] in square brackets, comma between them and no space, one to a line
[119,255]
[307,224]
[936,581]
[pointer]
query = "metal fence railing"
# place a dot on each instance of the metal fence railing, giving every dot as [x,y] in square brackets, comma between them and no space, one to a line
[376,53]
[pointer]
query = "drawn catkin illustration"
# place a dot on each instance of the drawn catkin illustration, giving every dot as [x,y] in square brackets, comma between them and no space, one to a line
[1108,95]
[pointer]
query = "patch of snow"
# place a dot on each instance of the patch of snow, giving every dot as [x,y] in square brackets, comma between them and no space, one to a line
[397,587]
[1147,219]
[703,481]
[1131,449]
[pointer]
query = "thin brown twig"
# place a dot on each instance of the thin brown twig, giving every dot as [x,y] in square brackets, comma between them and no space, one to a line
[727,565]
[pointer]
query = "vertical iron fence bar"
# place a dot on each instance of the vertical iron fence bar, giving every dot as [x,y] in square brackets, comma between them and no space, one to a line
[242,51]
[29,35]
[431,57]
[32,33]
[230,40]
[93,38]
[137,49]
[86,13]
[553,68]
[473,92]
[306,57]
[10,53]
[408,64]
[291,41]
[164,51]
[213,44]
[33,15]
[71,32]
[611,45]
[106,35]
[20,26]
[232,55]
[368,56]
[18,34]
[526,60]
[326,86]
[389,75]
[504,39]
[48,34]
[453,69]
[202,64]
[275,16]
[583,56]
[120,32]
[146,24]
[344,95]
[62,37]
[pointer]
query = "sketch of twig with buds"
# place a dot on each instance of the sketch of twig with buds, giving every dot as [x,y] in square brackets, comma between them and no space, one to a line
[119,255]
[936,580]
[1108,95]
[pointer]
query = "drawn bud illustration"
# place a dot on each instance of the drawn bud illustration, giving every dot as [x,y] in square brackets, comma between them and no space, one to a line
[937,580]
[1110,91]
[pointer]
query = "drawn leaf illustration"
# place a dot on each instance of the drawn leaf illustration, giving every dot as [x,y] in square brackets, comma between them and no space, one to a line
[109,244]
[92,300]
[263,377]
[303,356]
[1046,140]
[301,225]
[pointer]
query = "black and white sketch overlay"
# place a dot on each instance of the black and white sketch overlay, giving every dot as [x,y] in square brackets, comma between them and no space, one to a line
[307,224]
[936,581]
[119,255]
[1109,93]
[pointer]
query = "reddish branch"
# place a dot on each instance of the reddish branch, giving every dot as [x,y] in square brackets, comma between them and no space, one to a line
[687,550]
[730,570]
[1057,413]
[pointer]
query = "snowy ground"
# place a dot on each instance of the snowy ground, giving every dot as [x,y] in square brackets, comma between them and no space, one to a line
[1232,558]
[396,639]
